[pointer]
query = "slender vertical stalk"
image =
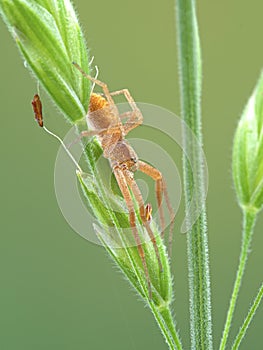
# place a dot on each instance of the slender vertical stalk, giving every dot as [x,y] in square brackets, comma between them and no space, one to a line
[249,218]
[248,319]
[198,261]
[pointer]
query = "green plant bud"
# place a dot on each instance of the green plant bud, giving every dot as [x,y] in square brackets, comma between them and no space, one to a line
[248,152]
[49,37]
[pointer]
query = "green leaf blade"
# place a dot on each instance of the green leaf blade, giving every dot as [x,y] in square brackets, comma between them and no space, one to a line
[50,38]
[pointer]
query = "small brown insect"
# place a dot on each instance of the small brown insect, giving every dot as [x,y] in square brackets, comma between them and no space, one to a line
[105,121]
[37,107]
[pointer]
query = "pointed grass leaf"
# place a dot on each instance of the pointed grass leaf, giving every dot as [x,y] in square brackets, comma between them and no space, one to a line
[49,37]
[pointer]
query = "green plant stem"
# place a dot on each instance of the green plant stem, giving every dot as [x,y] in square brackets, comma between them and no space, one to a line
[249,218]
[248,319]
[198,261]
[166,324]
[167,317]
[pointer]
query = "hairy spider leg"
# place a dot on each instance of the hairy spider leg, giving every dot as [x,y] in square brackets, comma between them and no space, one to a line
[98,82]
[127,197]
[89,133]
[160,190]
[135,117]
[144,213]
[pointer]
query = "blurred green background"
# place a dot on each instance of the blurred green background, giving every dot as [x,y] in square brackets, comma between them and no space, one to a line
[59,291]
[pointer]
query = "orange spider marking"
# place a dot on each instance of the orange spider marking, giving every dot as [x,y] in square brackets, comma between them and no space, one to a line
[97,102]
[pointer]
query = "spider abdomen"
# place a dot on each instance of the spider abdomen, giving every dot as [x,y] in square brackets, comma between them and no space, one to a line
[124,155]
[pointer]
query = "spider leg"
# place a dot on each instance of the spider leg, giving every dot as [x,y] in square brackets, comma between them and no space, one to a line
[102,132]
[85,133]
[98,82]
[160,190]
[127,197]
[144,214]
[135,117]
